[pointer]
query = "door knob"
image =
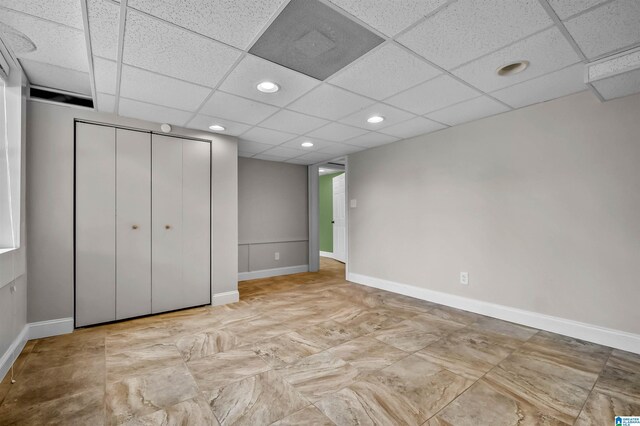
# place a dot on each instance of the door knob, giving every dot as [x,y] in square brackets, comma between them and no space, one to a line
[333,221]
[134,226]
[167,227]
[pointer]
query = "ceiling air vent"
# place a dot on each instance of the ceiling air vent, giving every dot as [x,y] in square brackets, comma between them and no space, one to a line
[59,97]
[312,38]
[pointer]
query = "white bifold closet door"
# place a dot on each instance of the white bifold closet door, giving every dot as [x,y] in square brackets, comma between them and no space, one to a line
[133,223]
[181,223]
[95,257]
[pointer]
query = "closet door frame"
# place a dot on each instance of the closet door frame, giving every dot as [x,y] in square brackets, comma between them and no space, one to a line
[76,121]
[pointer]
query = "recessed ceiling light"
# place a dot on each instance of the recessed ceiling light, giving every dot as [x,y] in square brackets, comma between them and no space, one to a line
[216,127]
[307,144]
[268,87]
[512,68]
[375,119]
[323,170]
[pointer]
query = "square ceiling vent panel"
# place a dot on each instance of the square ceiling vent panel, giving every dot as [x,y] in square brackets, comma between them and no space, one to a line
[312,38]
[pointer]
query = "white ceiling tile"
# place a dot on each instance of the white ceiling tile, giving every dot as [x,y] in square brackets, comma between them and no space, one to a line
[341,149]
[567,8]
[391,116]
[235,22]
[300,161]
[245,154]
[546,52]
[336,132]
[105,74]
[160,90]
[287,153]
[66,12]
[389,16]
[468,29]
[161,47]
[607,28]
[318,144]
[154,113]
[47,75]
[236,108]
[252,70]
[547,87]
[106,103]
[252,147]
[384,72]
[619,85]
[269,157]
[293,122]
[316,157]
[414,127]
[329,102]
[104,24]
[372,139]
[55,44]
[466,111]
[202,122]
[433,95]
[268,136]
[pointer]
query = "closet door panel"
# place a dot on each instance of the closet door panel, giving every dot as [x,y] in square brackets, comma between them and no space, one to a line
[95,227]
[166,213]
[133,216]
[196,254]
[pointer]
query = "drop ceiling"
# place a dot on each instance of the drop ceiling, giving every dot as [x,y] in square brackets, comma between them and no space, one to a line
[189,64]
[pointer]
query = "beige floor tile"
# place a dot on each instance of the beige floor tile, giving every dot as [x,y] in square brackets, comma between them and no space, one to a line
[141,361]
[318,375]
[285,349]
[469,353]
[308,416]
[329,333]
[555,389]
[368,354]
[35,387]
[568,351]
[417,332]
[196,346]
[505,328]
[407,392]
[601,409]
[616,382]
[258,400]
[85,408]
[194,412]
[626,361]
[218,370]
[144,394]
[484,405]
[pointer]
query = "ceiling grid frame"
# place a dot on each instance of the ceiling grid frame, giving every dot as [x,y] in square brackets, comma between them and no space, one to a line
[544,14]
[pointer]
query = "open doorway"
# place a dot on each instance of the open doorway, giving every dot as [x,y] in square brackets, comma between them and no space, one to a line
[328,216]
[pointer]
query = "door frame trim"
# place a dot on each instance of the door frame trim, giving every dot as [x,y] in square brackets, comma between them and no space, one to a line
[314,241]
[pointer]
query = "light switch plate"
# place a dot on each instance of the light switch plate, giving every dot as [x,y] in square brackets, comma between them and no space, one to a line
[353,203]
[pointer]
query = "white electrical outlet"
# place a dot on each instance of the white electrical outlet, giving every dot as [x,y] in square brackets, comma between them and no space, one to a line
[277,255]
[464,278]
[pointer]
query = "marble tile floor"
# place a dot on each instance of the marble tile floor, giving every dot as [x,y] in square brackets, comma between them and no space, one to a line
[313,349]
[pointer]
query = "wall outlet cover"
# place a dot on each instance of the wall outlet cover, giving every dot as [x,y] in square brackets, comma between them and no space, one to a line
[464,278]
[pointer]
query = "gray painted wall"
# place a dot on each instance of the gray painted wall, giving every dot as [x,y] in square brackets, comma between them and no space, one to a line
[273,214]
[50,202]
[541,206]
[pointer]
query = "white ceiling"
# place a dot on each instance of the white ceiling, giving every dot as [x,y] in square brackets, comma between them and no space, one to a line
[186,63]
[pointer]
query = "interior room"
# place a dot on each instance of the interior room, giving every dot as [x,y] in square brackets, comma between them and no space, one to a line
[319,212]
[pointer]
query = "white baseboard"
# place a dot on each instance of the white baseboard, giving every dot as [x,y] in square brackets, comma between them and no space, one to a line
[328,254]
[11,354]
[224,298]
[38,330]
[266,273]
[579,330]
